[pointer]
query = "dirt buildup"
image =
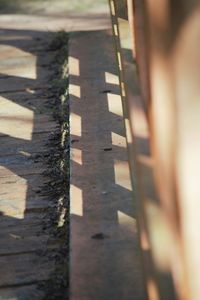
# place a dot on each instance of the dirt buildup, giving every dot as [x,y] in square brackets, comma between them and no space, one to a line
[56,220]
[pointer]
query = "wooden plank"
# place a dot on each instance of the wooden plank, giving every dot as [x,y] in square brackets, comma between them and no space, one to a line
[22,230]
[27,252]
[23,147]
[24,269]
[19,170]
[25,292]
[13,206]
[16,244]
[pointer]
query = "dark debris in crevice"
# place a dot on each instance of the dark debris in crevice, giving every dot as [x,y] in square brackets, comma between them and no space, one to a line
[56,159]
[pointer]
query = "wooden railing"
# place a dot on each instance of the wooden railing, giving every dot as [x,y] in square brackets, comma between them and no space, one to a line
[157,46]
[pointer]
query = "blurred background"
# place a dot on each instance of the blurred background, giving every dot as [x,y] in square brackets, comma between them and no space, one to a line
[50,6]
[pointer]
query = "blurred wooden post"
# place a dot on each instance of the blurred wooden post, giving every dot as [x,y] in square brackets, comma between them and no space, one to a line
[166,48]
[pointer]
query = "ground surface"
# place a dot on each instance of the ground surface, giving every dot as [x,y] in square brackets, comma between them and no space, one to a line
[33,249]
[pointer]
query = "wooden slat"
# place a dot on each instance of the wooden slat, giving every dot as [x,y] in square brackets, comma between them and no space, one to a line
[25,292]
[26,123]
[24,269]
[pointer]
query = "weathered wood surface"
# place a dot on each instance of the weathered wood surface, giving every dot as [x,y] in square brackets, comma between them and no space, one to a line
[25,126]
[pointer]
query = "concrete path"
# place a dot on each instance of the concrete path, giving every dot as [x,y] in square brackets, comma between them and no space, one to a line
[105,256]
